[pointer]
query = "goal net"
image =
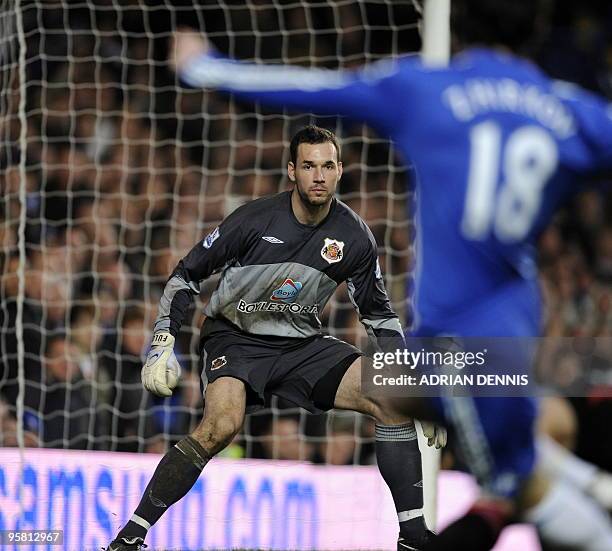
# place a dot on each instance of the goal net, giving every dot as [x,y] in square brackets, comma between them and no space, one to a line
[110,173]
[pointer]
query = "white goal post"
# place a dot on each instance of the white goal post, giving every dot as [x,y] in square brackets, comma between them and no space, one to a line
[436,52]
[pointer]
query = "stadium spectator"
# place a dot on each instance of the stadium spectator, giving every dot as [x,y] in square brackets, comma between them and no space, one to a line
[339,447]
[33,341]
[131,419]
[8,430]
[284,440]
[86,335]
[67,416]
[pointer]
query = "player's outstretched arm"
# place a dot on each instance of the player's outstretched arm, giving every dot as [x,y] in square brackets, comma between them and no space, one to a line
[367,95]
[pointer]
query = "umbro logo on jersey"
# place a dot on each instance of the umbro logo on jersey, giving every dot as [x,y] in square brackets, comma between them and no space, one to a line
[419,484]
[271,239]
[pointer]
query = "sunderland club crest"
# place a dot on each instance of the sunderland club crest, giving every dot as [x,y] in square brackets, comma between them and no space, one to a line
[332,251]
[218,363]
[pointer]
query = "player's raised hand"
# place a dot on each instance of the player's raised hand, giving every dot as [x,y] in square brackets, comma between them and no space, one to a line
[161,372]
[185,45]
[436,434]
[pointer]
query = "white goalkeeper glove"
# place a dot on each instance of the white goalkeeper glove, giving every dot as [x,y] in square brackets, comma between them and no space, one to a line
[161,372]
[436,434]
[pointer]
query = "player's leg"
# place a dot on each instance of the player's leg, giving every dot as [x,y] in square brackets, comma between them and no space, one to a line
[566,518]
[495,439]
[561,464]
[557,419]
[179,469]
[565,514]
[397,454]
[557,427]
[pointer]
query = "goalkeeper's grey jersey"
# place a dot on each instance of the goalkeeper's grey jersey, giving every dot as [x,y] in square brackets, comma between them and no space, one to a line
[278,274]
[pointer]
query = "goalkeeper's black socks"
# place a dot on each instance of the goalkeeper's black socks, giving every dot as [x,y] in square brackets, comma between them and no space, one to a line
[399,462]
[175,475]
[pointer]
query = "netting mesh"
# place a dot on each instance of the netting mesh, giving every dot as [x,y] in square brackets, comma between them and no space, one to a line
[125,170]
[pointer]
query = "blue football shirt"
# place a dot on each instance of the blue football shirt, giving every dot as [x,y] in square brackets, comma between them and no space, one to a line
[497,147]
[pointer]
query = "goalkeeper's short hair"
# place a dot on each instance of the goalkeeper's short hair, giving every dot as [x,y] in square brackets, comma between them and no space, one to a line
[312,134]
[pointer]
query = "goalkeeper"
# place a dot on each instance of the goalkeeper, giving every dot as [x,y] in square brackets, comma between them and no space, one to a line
[282,257]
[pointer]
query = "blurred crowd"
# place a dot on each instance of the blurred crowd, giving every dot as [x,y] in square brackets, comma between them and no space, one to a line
[124,171]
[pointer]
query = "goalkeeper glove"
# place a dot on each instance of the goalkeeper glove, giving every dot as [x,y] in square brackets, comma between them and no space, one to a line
[436,435]
[160,373]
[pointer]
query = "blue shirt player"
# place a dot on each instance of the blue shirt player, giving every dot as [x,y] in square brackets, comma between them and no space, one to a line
[498,147]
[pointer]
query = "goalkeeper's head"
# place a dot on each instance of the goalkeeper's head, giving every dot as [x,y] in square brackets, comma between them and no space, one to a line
[493,23]
[315,166]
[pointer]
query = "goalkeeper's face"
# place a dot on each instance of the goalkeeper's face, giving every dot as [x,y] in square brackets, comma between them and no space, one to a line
[316,172]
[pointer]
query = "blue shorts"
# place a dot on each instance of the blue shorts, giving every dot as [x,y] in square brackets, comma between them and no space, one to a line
[495,436]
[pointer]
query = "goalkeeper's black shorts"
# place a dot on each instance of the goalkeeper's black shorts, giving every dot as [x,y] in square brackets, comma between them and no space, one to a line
[305,371]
